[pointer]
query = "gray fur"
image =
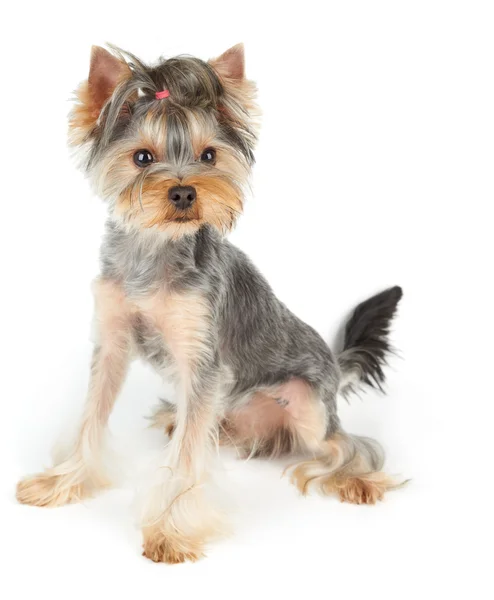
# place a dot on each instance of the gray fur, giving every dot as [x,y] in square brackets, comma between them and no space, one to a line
[258,339]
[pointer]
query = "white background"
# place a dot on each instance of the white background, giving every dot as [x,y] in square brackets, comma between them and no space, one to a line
[374,169]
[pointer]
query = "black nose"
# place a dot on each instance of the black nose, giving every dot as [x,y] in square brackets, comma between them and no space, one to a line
[182,196]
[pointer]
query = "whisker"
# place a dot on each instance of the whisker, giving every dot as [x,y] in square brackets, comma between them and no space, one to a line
[140,191]
[226,206]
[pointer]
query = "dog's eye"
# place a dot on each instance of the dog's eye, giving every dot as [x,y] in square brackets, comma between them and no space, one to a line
[143,158]
[208,156]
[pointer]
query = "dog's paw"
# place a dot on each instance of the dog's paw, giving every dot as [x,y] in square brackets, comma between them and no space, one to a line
[164,418]
[366,489]
[357,490]
[46,489]
[159,547]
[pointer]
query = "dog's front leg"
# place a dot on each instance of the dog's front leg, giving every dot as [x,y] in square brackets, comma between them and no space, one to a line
[180,514]
[80,471]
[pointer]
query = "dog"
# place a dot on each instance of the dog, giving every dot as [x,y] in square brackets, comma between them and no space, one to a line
[170,149]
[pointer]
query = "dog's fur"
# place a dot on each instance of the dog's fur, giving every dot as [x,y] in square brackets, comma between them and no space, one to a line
[173,291]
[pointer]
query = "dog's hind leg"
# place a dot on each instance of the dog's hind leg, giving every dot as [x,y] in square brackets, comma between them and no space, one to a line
[81,471]
[295,418]
[348,466]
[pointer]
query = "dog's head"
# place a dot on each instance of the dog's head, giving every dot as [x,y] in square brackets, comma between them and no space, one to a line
[170,147]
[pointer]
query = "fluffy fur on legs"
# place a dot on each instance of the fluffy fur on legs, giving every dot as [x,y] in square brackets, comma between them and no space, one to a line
[180,511]
[82,472]
[348,466]
[181,517]
[71,481]
[164,417]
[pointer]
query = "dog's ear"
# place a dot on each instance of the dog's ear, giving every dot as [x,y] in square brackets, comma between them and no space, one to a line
[106,71]
[231,64]
[239,91]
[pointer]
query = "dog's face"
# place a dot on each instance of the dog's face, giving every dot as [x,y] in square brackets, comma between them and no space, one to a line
[169,147]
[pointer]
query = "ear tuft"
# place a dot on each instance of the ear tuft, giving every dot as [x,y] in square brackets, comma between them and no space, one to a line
[105,73]
[231,64]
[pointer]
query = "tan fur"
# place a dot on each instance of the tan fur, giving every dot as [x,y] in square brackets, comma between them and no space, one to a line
[179,516]
[106,72]
[178,513]
[152,133]
[218,203]
[258,419]
[141,198]
[230,67]
[186,522]
[81,473]
[170,548]
[342,471]
[164,419]
[179,519]
[264,427]
[83,116]
[51,489]
[365,489]
[183,320]
[231,64]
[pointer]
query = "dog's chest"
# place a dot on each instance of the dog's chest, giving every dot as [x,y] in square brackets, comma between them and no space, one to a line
[170,328]
[142,274]
[144,266]
[165,292]
[149,342]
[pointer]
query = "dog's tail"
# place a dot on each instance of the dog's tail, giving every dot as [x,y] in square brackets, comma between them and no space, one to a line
[366,345]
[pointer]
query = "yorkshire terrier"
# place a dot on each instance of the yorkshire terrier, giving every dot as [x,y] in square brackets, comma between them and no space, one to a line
[170,149]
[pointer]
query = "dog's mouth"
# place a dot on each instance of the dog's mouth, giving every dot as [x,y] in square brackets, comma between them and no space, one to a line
[183,219]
